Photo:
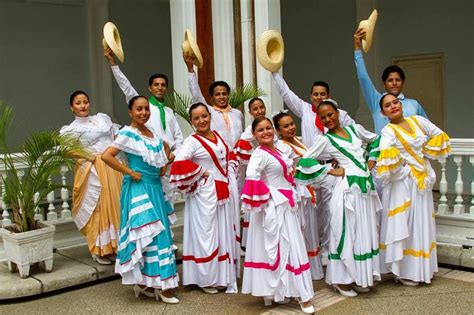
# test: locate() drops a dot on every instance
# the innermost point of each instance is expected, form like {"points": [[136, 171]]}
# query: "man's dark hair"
{"points": [[157, 76], [216, 84], [320, 83], [392, 69]]}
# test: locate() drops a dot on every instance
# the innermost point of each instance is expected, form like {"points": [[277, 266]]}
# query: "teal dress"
{"points": [[145, 255]]}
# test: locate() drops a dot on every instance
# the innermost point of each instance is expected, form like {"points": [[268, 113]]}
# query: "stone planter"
{"points": [[24, 249]]}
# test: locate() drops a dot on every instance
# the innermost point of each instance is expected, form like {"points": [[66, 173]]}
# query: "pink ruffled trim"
{"points": [[255, 195]]}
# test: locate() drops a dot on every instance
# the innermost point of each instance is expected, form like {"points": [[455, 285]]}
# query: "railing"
{"points": [[455, 218], [52, 213]]}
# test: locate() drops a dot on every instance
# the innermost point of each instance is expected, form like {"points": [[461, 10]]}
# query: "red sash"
{"points": [[222, 188], [317, 121]]}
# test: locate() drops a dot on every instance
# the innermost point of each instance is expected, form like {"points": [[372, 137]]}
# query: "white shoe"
{"points": [[169, 300], [349, 293], [139, 290], [307, 309], [101, 260], [407, 282], [268, 300], [210, 290], [360, 289]]}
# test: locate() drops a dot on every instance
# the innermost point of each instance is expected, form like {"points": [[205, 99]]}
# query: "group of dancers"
{"points": [[361, 199]]}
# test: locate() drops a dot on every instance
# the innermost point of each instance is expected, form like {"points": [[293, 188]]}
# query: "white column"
{"points": [[267, 16], [223, 39], [51, 215], [248, 48], [458, 186], [183, 16], [443, 189], [5, 216], [471, 208], [101, 77], [65, 213], [363, 10]]}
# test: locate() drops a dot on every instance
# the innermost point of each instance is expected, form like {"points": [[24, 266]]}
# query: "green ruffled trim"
{"points": [[373, 149], [307, 165], [366, 256], [363, 182]]}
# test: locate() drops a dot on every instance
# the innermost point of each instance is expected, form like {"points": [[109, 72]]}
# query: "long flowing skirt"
{"points": [[408, 231], [309, 226], [96, 205], [209, 239], [354, 241], [279, 267], [145, 255]]}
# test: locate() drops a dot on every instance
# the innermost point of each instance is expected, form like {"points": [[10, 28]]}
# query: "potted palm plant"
{"points": [[40, 157]]}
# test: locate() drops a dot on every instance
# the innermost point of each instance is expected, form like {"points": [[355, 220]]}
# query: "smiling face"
{"points": [[264, 133], [80, 105], [220, 96], [257, 109], [140, 111], [158, 88], [201, 119], [318, 94], [393, 84], [287, 127], [329, 116], [392, 107]]}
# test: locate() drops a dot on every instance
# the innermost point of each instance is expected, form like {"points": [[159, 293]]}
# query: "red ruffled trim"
{"points": [[243, 150], [185, 174]]}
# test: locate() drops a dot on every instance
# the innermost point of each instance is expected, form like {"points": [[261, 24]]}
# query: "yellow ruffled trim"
{"points": [[389, 160], [438, 145], [420, 177], [390, 153], [388, 168], [419, 253]]}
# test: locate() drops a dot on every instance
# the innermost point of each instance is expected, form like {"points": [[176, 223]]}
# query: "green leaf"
{"points": [[179, 103], [244, 93]]}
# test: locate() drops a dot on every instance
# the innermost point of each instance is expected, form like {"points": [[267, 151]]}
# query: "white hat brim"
{"points": [[112, 39], [271, 50], [190, 45]]}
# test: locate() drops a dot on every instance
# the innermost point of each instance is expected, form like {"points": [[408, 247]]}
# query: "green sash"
{"points": [[161, 107]]}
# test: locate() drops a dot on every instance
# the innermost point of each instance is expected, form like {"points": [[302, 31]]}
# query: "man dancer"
{"points": [[227, 121], [162, 119], [311, 129], [393, 78]]}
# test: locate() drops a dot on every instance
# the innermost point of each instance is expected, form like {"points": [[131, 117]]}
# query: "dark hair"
{"points": [[392, 69], [320, 83], [76, 93], [259, 120], [216, 84], [196, 105], [133, 99], [383, 97], [253, 100], [329, 103], [277, 117], [157, 76]]}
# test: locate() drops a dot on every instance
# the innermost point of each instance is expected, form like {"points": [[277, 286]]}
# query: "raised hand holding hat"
{"points": [[112, 39], [270, 50], [366, 30], [190, 47]]}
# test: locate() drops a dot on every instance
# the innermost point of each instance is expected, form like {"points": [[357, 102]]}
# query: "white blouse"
{"points": [[96, 132]]}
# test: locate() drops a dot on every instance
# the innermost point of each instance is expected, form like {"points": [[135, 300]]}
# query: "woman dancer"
{"points": [[243, 149], [286, 127], [145, 257], [96, 186], [408, 234], [200, 169], [276, 264], [353, 242]]}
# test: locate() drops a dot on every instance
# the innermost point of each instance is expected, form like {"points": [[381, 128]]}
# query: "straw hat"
{"points": [[369, 27], [190, 46], [271, 50], [112, 39]]}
